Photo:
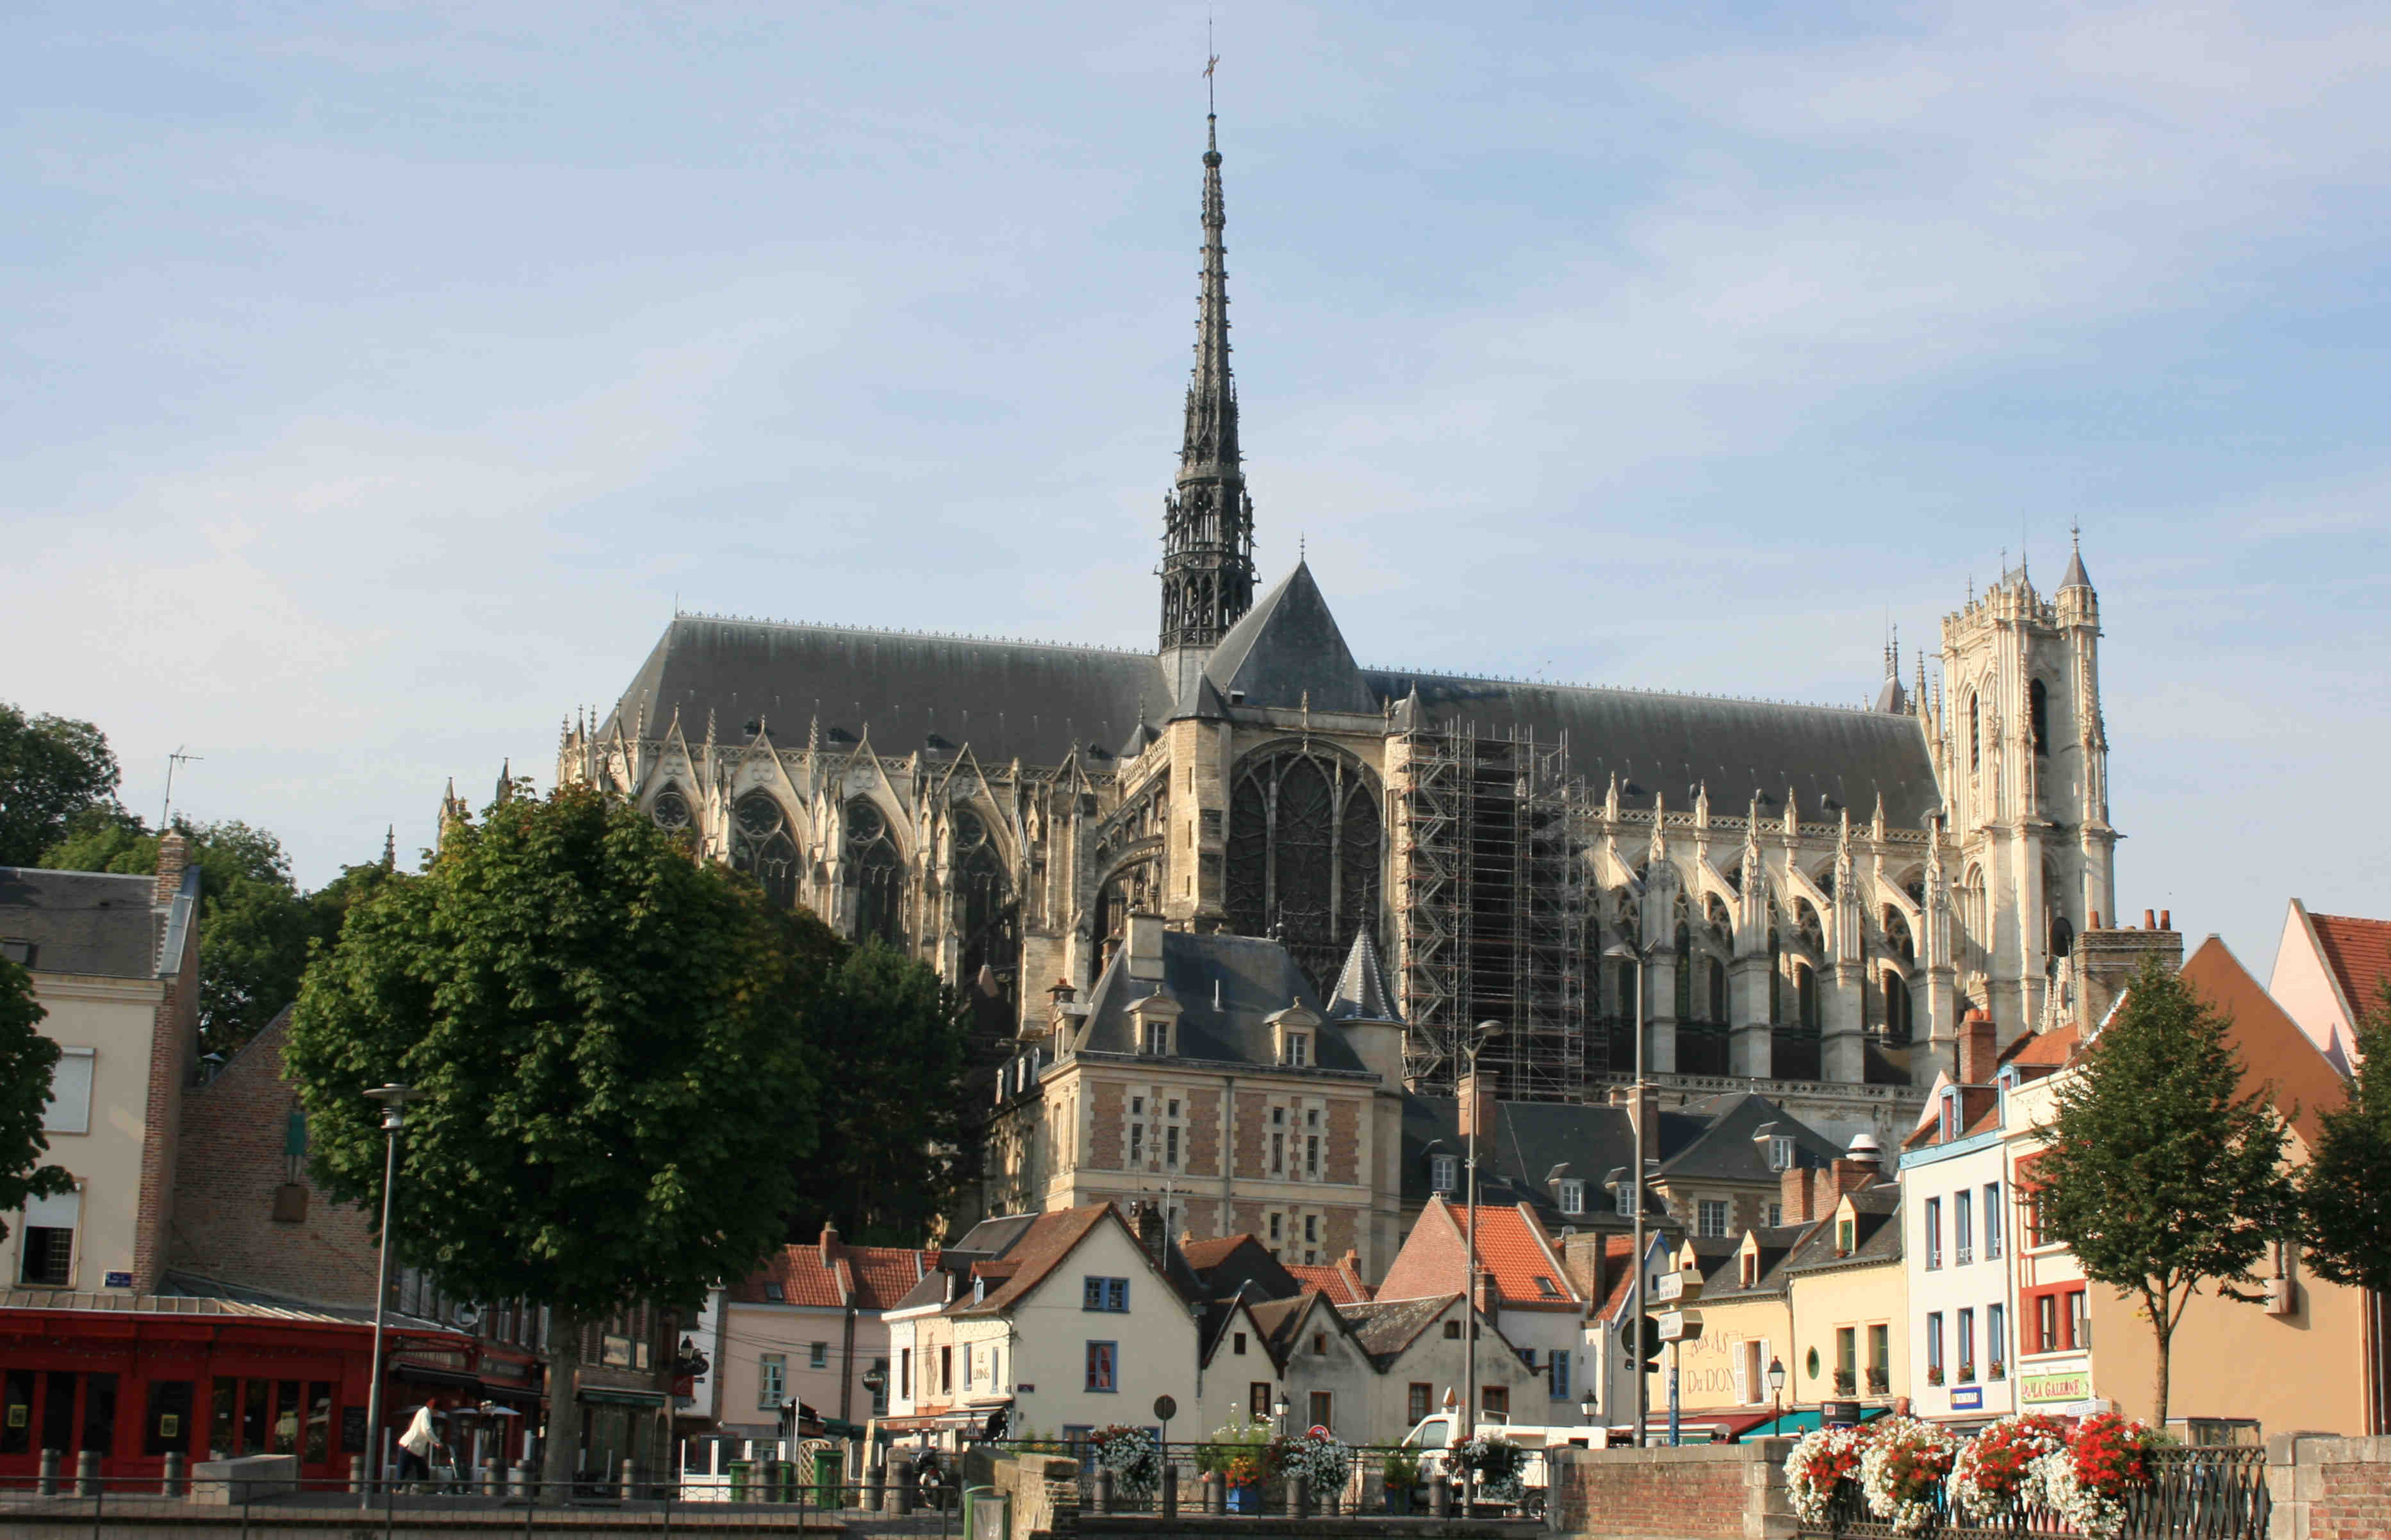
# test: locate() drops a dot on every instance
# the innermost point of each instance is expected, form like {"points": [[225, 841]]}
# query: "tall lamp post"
{"points": [[1776, 1390], [1480, 1036], [393, 1098], [1627, 951]]}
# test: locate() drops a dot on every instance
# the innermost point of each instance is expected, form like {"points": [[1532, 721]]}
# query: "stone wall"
{"points": [[2329, 1488], [1044, 1489], [1698, 1492]]}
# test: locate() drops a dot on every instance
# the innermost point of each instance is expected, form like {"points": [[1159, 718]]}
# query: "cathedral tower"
{"points": [[2023, 757], [1207, 543]]}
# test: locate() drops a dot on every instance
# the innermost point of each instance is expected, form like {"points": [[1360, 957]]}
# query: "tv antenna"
{"points": [[178, 757]]}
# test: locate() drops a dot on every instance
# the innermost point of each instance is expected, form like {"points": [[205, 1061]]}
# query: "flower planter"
{"points": [[1398, 1499], [1245, 1500]]}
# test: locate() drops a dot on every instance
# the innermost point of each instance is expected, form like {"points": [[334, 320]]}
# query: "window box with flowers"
{"points": [[1995, 1370], [1846, 1382], [1880, 1380], [1934, 1374], [1967, 1372]]}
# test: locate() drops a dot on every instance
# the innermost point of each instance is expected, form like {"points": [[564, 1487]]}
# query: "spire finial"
{"points": [[1211, 62]]}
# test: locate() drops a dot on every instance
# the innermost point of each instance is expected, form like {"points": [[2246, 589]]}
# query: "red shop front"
{"points": [[135, 1385]]}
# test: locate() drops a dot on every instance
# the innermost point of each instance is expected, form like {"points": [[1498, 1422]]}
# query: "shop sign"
{"points": [[1968, 1398], [2044, 1390]]}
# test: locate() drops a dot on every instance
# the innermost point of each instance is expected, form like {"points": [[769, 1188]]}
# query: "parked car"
{"points": [[1433, 1437]]}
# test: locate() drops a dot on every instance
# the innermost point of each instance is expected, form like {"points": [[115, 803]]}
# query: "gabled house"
{"points": [[1956, 1239], [1746, 1326], [1848, 1292], [808, 1327], [2330, 970], [1418, 1352], [1527, 1291], [1075, 1325]]}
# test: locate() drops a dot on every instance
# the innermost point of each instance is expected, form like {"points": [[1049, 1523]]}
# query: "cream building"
{"points": [[115, 964]]}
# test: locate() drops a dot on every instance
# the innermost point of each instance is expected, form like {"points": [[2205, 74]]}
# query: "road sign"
{"points": [[1683, 1284], [1679, 1325], [1165, 1408]]}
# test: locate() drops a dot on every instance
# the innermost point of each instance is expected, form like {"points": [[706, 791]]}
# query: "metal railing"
{"points": [[1362, 1494], [69, 1503], [2197, 1493]]}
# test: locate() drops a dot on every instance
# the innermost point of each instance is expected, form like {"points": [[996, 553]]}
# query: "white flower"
{"points": [[1829, 1448]]}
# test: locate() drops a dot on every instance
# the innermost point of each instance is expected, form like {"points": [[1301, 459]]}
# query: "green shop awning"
{"points": [[602, 1396]]}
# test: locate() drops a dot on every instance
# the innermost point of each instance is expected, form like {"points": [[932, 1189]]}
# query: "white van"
{"points": [[1435, 1434]]}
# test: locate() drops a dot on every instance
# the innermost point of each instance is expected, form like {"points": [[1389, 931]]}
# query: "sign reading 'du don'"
{"points": [[2041, 1390]]}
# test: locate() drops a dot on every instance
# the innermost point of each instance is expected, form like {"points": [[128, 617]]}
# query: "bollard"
{"points": [[1213, 1501], [173, 1486], [901, 1495], [1101, 1485], [87, 1473], [1170, 1491], [875, 1486], [626, 1487], [519, 1480], [1440, 1495], [356, 1474], [489, 1478], [46, 1484], [1298, 1497]]}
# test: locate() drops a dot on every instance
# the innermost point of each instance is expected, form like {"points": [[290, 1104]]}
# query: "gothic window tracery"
{"points": [[875, 873], [670, 809], [760, 845], [2038, 706], [1976, 737], [1304, 854]]}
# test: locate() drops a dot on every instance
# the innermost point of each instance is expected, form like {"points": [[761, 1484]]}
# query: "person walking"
{"points": [[415, 1446]]}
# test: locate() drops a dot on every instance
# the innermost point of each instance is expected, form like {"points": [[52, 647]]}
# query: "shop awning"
{"points": [[424, 1374], [1798, 1421], [604, 1397]]}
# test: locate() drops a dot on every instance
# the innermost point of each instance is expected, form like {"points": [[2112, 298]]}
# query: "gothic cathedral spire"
{"points": [[1207, 543]]}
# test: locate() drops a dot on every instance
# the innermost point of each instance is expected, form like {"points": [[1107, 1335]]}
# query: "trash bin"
{"points": [[743, 1474], [987, 1514], [829, 1466]]}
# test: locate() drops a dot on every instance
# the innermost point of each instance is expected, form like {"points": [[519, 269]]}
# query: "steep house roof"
{"points": [[1051, 1237], [1227, 988], [100, 923], [833, 1274], [1385, 1328], [2360, 954], [1876, 1224], [1774, 1247], [2275, 1052], [1341, 1280], [1512, 1247]]}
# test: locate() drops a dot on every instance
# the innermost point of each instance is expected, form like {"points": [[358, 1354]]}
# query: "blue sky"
{"points": [[374, 379]]}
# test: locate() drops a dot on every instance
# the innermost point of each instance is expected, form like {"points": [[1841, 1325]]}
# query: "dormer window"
{"points": [[1623, 1199], [1573, 1195], [1443, 1172], [1844, 1242], [1747, 1276], [775, 1293], [1157, 1038], [1298, 1049], [1780, 1153]]}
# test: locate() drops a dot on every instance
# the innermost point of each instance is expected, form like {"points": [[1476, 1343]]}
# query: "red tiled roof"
{"points": [[1512, 1247], [1205, 1255], [871, 1277], [2360, 954], [2049, 1050], [1342, 1287]]}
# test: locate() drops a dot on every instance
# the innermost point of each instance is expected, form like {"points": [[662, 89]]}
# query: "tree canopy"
{"points": [[27, 1062], [254, 925], [894, 1150], [2345, 1190], [2161, 1174], [51, 770], [605, 1035]]}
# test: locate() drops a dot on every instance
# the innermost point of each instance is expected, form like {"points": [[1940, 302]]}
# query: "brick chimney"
{"points": [[173, 854], [1858, 1168], [1797, 1191], [1477, 1108], [1151, 1234], [829, 1243], [1485, 1293], [1978, 1048]]}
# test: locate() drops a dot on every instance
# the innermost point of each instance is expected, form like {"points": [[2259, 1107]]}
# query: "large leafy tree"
{"points": [[51, 770], [895, 1151], [606, 1039], [27, 1060], [254, 925], [2162, 1173], [2346, 1191]]}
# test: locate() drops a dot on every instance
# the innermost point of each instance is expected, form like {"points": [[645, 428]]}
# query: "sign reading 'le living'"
{"points": [[2042, 1390]]}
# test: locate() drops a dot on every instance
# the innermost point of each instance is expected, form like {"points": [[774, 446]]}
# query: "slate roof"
{"points": [[1385, 1328], [1005, 700], [1287, 652], [1222, 1267], [1255, 978], [1662, 744], [1278, 1321], [1363, 992], [1777, 1247], [1876, 1215], [91, 922]]}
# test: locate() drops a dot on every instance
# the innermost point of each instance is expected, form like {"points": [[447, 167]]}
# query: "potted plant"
{"points": [[1240, 1454], [1496, 1464], [2088, 1481], [1399, 1476], [1903, 1462], [1993, 1467], [1823, 1459]]}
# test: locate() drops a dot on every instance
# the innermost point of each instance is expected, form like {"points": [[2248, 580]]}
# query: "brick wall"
{"points": [[233, 1134], [1203, 1133], [1251, 1113], [2329, 1488], [1700, 1492], [1107, 1123], [1344, 1140]]}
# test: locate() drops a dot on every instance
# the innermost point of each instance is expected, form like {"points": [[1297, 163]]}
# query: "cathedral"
{"points": [[1810, 896]]}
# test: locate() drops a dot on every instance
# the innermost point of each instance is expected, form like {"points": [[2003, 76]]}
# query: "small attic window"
{"points": [[1844, 1242], [1237, 697], [1298, 1049], [1443, 1172], [774, 1292], [1156, 1040], [1780, 1153], [1544, 1287]]}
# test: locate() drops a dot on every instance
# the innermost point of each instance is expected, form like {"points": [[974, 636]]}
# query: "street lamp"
{"points": [[393, 1098], [1776, 1387], [1480, 1036], [1628, 953], [1589, 1404], [1278, 1411]]}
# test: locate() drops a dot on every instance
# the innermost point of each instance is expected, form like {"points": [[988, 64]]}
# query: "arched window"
{"points": [[759, 843], [1304, 853], [1897, 936], [1775, 979], [1806, 990], [1896, 1009], [1685, 972], [1718, 991], [2038, 706], [1976, 737], [1796, 1050], [986, 916], [875, 873]]}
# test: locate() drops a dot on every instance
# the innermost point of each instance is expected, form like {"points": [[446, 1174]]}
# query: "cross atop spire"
{"points": [[1208, 569]]}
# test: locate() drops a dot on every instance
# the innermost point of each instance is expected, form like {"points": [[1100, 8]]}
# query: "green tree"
{"points": [[27, 1059], [2161, 1174], [2346, 1191], [51, 770], [893, 1044], [254, 925], [605, 1037]]}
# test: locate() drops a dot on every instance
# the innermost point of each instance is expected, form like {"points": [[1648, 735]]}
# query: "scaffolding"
{"points": [[1492, 913]]}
